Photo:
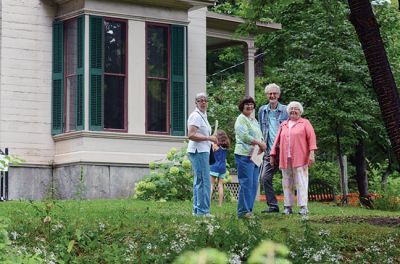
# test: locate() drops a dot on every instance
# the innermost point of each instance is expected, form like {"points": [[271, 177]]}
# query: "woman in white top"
{"points": [[200, 139]]}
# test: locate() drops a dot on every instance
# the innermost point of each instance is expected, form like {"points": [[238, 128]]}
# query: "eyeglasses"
{"points": [[272, 93], [249, 104], [202, 101]]}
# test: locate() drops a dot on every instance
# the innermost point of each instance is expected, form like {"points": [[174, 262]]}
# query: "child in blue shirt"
{"points": [[218, 169]]}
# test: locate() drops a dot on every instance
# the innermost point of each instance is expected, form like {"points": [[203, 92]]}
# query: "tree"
{"points": [[367, 28]]}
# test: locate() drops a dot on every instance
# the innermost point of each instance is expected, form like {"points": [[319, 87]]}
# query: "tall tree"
{"points": [[367, 28]]}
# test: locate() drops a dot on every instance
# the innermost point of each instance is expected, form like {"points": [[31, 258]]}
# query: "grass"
{"points": [[132, 231]]}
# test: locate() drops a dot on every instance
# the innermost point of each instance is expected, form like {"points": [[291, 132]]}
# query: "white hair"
{"points": [[199, 95], [271, 86], [295, 104]]}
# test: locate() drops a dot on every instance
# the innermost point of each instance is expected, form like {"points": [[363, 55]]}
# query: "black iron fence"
{"points": [[4, 177]]}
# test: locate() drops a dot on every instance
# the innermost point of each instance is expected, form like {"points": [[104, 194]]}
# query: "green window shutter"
{"points": [[80, 91], [178, 80], [57, 124], [96, 73]]}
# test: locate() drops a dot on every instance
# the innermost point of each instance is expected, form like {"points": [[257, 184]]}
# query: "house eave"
{"points": [[180, 4], [231, 23]]}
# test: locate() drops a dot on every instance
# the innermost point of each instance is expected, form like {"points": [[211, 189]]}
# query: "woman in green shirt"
{"points": [[248, 135]]}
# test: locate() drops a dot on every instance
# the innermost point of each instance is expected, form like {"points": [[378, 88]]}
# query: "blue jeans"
{"points": [[201, 182], [248, 181]]}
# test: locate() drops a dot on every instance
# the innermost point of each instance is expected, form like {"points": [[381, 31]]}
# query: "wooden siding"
{"points": [[25, 88]]}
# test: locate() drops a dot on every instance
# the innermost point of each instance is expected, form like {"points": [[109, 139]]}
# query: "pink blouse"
{"points": [[302, 141]]}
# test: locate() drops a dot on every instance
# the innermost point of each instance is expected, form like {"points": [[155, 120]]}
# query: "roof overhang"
{"points": [[221, 30], [178, 4]]}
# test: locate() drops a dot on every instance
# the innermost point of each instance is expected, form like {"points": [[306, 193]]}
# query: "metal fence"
{"points": [[4, 177]]}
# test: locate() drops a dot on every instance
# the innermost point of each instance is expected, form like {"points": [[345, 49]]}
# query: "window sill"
{"points": [[117, 135]]}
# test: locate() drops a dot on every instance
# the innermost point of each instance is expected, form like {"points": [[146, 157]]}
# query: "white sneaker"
{"points": [[209, 215], [287, 211], [303, 210]]}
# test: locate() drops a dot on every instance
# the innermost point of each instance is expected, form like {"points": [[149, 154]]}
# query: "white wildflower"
{"points": [[14, 235], [234, 259]]}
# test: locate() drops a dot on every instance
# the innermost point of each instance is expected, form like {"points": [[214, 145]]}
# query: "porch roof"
{"points": [[221, 30]]}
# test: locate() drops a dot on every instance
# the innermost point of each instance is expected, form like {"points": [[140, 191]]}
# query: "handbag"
{"points": [[212, 157]]}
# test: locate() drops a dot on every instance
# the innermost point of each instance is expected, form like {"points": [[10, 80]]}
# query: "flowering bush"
{"points": [[169, 179]]}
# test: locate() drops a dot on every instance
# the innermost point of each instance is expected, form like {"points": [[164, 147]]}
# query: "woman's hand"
{"points": [[213, 139], [311, 158], [263, 146]]}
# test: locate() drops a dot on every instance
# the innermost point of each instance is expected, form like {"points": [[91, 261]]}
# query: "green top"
{"points": [[246, 130]]}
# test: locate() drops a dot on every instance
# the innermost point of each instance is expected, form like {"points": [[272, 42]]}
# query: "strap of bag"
{"points": [[204, 120]]}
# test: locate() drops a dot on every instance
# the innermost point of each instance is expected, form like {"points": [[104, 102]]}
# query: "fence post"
{"points": [[4, 179]]}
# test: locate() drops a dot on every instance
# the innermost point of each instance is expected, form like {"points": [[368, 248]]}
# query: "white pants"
{"points": [[295, 177]]}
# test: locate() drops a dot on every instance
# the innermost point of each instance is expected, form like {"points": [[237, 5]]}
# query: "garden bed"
{"points": [[132, 231]]}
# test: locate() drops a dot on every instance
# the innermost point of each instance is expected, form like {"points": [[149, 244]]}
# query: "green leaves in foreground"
{"points": [[267, 252]]}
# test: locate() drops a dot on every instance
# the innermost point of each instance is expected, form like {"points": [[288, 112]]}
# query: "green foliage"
{"points": [[388, 195], [269, 252], [326, 171], [10, 254], [266, 252], [134, 231], [206, 256], [169, 179], [223, 106], [389, 198], [7, 160]]}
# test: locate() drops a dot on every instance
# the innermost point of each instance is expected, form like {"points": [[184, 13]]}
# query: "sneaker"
{"points": [[303, 210], [287, 211], [248, 215], [270, 210], [209, 215]]}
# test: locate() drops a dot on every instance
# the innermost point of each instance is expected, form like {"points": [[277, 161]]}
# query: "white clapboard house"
{"points": [[91, 91]]}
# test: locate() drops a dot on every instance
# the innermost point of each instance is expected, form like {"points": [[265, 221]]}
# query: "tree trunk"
{"points": [[361, 174], [367, 29], [388, 171], [341, 166]]}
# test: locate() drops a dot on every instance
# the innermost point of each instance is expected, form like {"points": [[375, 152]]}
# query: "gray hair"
{"points": [[295, 104], [199, 95], [271, 86]]}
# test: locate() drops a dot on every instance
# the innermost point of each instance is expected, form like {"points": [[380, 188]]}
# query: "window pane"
{"points": [[71, 46], [157, 105], [114, 102], [114, 47], [157, 51], [71, 104]]}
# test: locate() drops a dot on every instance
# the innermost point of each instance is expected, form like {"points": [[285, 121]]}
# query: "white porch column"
{"points": [[249, 52]]}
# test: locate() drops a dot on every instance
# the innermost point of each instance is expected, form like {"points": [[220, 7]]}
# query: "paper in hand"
{"points": [[215, 128], [257, 157]]}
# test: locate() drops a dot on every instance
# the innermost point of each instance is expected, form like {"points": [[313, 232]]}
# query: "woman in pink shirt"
{"points": [[297, 142]]}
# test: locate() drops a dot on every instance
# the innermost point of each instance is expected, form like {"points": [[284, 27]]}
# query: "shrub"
{"points": [[169, 179], [326, 171], [389, 197]]}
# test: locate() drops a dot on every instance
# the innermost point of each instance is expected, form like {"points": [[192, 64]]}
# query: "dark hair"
{"points": [[246, 100], [223, 139]]}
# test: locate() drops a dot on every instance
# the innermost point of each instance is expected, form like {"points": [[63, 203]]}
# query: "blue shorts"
{"points": [[218, 175]]}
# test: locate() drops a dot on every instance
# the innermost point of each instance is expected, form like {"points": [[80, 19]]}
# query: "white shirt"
{"points": [[199, 120]]}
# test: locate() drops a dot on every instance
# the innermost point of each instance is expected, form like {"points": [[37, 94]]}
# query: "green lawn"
{"points": [[131, 231]]}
